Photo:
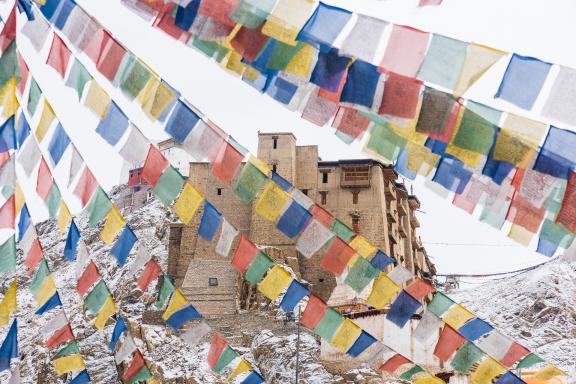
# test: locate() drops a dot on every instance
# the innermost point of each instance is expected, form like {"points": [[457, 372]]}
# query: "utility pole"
{"points": [[298, 345]]}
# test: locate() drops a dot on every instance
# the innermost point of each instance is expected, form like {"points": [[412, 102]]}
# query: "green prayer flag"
{"points": [[385, 142], [249, 183], [556, 233], [69, 349], [411, 372], [53, 201], [466, 356], [34, 95], [553, 202], [124, 68], [166, 290], [8, 66], [329, 324], [258, 268], [440, 304], [210, 49], [169, 185], [529, 361], [252, 13], [143, 376], [42, 272], [98, 207], [78, 78], [96, 298], [225, 358], [281, 55], [136, 80], [8, 255], [475, 134], [361, 274], [343, 231]]}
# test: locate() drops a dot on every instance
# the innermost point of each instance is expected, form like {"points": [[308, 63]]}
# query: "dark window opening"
{"points": [[356, 224], [136, 189], [213, 282], [219, 191], [323, 196], [321, 280], [305, 191], [275, 143], [274, 168], [325, 178], [355, 197]]}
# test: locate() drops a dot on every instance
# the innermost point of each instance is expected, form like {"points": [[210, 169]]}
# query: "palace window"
{"points": [[275, 142], [274, 168], [305, 191], [212, 282], [355, 197], [323, 197], [324, 177], [219, 191], [356, 224]]}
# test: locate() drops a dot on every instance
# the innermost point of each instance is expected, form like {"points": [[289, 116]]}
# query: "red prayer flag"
{"points": [[154, 165], [217, 346], [106, 53], [524, 214], [314, 312], [86, 186], [8, 213], [8, 31], [394, 363], [60, 337], [166, 23], [218, 10], [514, 354], [249, 42], [227, 161], [44, 180], [405, 50], [135, 366], [567, 214], [24, 71], [419, 289], [89, 277], [337, 256], [449, 341], [35, 254], [4, 156], [350, 122], [246, 251], [322, 215], [59, 55], [401, 95], [151, 272]]}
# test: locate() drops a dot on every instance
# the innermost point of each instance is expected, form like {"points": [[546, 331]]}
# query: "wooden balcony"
{"points": [[355, 176], [389, 190]]}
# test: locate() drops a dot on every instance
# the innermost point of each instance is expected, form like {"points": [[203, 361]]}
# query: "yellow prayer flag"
{"points": [[346, 335], [97, 100], [8, 100], [487, 371], [518, 140], [114, 224], [275, 282], [276, 30], [8, 304], [478, 60], [364, 247], [548, 372], [301, 63], [429, 379], [272, 201], [108, 309], [155, 97], [71, 363], [46, 290], [177, 302], [457, 316], [467, 157], [46, 120], [520, 235], [187, 203], [383, 291], [421, 159], [64, 217], [250, 73], [19, 199], [243, 366], [233, 62]]}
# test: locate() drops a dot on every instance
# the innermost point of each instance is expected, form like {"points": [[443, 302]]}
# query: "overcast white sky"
{"points": [[538, 28]]}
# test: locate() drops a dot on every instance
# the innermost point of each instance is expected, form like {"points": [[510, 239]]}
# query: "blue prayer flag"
{"points": [[546, 248], [49, 8], [58, 144], [185, 15], [82, 378], [497, 170], [63, 13], [253, 378], [122, 247], [114, 125], [324, 26], [402, 309], [402, 165], [523, 80], [282, 90], [22, 130], [381, 260], [26, 6], [7, 135], [210, 222], [509, 378], [24, 222], [437, 147], [119, 329], [9, 348], [181, 122], [53, 302], [295, 292], [360, 84], [181, 317], [452, 175], [294, 219], [557, 156], [329, 70], [71, 246], [362, 343], [282, 182], [474, 329]]}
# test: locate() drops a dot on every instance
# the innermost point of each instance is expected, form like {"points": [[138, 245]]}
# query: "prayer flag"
{"points": [[125, 350], [271, 202], [8, 213], [364, 247], [495, 344], [419, 289], [329, 324], [154, 166], [182, 120], [276, 281], [71, 246], [227, 236], [479, 59], [252, 13], [383, 291], [182, 316], [169, 185], [81, 378], [324, 26], [97, 297], [135, 78], [89, 277], [121, 249], [361, 84], [518, 140], [392, 364], [114, 224], [350, 123], [64, 217], [293, 220], [119, 328], [187, 203], [402, 309], [106, 53], [136, 365], [194, 334], [78, 78], [466, 357], [509, 378], [9, 348], [361, 274], [381, 261], [364, 38], [346, 335], [314, 312], [427, 327], [250, 181], [258, 268], [449, 341], [514, 354], [210, 221], [156, 98], [60, 336], [555, 157], [8, 304], [474, 133], [313, 238], [560, 103], [227, 161], [69, 349], [108, 309], [295, 293], [398, 57], [87, 185], [342, 230], [474, 329], [113, 126], [217, 346], [44, 180], [167, 288], [330, 71], [363, 342], [253, 378], [457, 316], [204, 141], [245, 253], [548, 372], [401, 96], [51, 303], [443, 62], [151, 272], [487, 371], [97, 100], [8, 255], [242, 367], [135, 148], [249, 42], [59, 55], [523, 80], [322, 215], [71, 363], [336, 258]]}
